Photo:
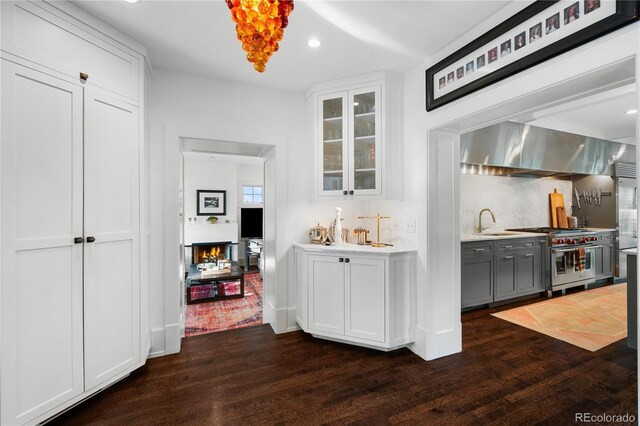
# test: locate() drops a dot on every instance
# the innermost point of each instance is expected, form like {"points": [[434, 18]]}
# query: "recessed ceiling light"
{"points": [[632, 111], [313, 42]]}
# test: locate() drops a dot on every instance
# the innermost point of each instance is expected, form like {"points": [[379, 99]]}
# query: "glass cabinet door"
{"points": [[333, 131], [365, 146]]}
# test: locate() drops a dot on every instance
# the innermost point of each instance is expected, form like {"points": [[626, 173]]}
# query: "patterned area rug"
{"points": [[220, 315], [589, 319]]}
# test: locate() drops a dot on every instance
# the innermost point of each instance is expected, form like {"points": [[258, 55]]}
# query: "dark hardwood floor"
{"points": [[506, 375]]}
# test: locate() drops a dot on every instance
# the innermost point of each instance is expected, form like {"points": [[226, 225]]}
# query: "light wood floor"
{"points": [[505, 375]]}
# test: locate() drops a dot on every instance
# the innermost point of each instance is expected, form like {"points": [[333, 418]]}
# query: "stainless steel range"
{"points": [[571, 257]]}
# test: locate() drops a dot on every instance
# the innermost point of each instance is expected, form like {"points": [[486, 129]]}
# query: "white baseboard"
{"points": [[165, 340], [172, 339], [157, 343], [437, 344], [284, 319], [292, 325], [280, 320]]}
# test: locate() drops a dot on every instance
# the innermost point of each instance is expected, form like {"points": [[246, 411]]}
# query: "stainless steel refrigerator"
{"points": [[626, 220]]}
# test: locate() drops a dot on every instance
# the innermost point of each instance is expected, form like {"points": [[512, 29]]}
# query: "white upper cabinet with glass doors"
{"points": [[351, 140], [364, 134]]}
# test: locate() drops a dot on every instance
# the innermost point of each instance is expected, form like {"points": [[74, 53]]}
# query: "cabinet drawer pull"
{"points": [[507, 247], [91, 239], [78, 240], [479, 250], [351, 192], [340, 259], [84, 76], [528, 255], [347, 260], [344, 192], [508, 257]]}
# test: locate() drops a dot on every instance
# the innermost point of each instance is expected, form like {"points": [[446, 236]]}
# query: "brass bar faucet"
{"points": [[493, 217]]}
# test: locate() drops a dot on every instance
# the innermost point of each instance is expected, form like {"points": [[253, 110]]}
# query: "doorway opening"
{"points": [[223, 195], [444, 156]]}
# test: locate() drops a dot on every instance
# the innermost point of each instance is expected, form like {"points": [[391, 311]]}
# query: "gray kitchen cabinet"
{"points": [[477, 273], [506, 274], [519, 267], [500, 270], [527, 271], [605, 255]]}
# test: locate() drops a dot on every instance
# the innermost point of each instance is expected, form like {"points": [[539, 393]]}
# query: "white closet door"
{"points": [[111, 206], [41, 214]]}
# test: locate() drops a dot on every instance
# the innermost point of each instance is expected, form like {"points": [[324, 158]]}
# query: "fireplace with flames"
{"points": [[210, 252]]}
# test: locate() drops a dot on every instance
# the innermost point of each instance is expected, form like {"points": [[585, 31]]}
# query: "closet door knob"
{"points": [[78, 240], [84, 76], [91, 239]]}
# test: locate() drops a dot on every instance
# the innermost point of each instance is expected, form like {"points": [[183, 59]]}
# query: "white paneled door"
{"points": [[111, 202], [41, 212]]}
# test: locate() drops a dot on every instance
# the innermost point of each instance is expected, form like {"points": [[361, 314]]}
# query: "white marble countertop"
{"points": [[355, 248], [488, 237], [465, 238]]}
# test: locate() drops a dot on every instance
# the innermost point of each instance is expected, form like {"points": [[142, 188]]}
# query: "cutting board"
{"points": [[562, 218], [556, 199]]}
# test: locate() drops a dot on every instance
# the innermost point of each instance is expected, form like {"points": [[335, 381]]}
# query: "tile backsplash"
{"points": [[516, 202]]}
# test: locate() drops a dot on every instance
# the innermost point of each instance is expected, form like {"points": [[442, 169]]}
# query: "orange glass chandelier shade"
{"points": [[260, 26]]}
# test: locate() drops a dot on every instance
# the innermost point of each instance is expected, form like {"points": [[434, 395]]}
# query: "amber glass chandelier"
{"points": [[260, 26]]}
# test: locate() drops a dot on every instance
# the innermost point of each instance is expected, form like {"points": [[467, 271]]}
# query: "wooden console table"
{"points": [[202, 287]]}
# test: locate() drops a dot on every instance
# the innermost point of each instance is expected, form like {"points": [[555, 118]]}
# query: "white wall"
{"points": [[205, 174], [516, 202]]}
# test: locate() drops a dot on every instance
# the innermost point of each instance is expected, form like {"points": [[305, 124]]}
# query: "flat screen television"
{"points": [[251, 222]]}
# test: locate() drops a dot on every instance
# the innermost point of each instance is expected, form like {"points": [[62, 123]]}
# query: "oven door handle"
{"points": [[573, 249]]}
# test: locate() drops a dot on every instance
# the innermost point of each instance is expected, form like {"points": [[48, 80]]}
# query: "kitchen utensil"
{"points": [[556, 199], [599, 198], [593, 196], [575, 190], [562, 217], [573, 221], [361, 235], [586, 197], [318, 234]]}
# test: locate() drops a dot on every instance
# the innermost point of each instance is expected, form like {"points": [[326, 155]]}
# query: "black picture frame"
{"points": [[211, 202], [626, 13]]}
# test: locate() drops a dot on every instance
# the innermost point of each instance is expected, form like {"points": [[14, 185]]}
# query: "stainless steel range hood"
{"points": [[517, 149]]}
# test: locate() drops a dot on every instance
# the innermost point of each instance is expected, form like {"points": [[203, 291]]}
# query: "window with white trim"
{"points": [[252, 194]]}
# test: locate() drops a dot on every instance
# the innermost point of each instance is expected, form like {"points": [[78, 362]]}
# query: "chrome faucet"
{"points": [[493, 217]]}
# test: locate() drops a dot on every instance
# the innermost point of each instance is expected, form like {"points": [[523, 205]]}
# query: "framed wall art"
{"points": [[211, 202], [539, 32]]}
